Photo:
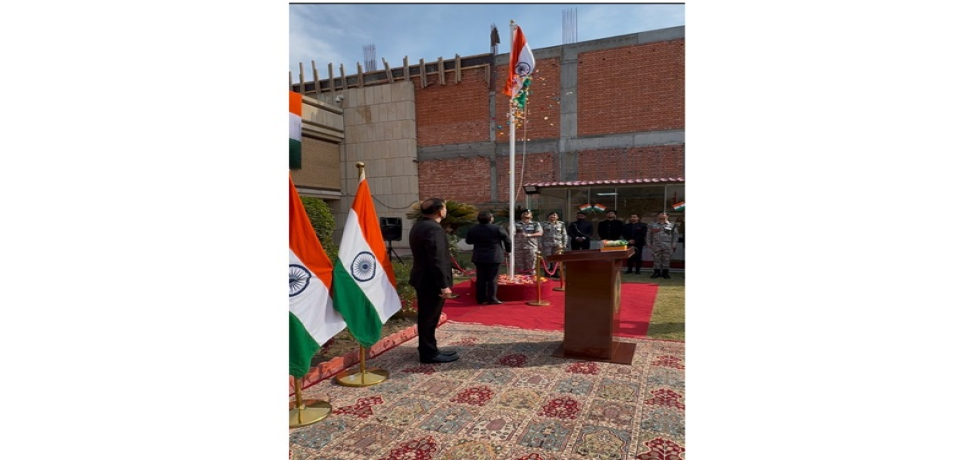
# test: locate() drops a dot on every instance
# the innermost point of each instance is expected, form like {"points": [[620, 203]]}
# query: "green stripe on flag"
{"points": [[302, 347], [362, 317], [294, 154]]}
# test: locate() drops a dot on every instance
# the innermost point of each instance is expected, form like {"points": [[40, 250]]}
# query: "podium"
{"points": [[592, 279]]}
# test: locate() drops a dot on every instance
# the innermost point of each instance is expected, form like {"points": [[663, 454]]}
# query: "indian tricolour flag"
{"points": [[599, 207], [585, 207], [521, 62], [364, 285], [679, 206], [295, 128], [312, 318]]}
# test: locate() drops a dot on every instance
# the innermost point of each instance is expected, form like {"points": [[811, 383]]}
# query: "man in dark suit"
{"points": [[580, 231], [635, 234], [489, 243], [611, 228], [432, 277]]}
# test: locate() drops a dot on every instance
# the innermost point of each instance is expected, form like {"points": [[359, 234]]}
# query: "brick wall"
{"points": [[319, 160], [632, 163], [453, 113], [457, 179], [540, 167], [629, 89], [543, 108]]}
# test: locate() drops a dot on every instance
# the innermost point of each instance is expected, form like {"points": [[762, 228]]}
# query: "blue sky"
{"points": [[337, 33]]}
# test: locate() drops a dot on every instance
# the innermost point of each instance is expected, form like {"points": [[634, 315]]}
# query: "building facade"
{"points": [[604, 124]]}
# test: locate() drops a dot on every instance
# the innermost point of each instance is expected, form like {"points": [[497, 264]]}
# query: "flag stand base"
{"points": [[364, 378], [539, 303], [312, 411]]}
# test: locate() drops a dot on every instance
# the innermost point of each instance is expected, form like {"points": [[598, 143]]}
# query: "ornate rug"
{"points": [[505, 398]]}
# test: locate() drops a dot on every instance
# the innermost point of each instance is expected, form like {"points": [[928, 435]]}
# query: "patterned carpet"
{"points": [[506, 398]]}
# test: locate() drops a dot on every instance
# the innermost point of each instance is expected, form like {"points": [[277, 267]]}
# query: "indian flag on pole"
{"points": [[599, 207], [585, 207], [312, 318], [679, 206], [295, 128], [364, 285], [521, 62]]}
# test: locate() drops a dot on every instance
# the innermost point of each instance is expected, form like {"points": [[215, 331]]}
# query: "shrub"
{"points": [[323, 224]]}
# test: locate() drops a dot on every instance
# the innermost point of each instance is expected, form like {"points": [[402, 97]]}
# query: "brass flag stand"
{"points": [[362, 378], [537, 281], [302, 413], [561, 272]]}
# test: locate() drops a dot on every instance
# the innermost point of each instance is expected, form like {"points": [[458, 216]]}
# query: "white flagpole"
{"points": [[510, 111], [510, 266]]}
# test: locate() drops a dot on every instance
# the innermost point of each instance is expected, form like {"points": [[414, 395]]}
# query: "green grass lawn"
{"points": [[667, 321]]}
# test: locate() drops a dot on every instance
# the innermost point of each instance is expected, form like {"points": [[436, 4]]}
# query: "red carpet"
{"points": [[635, 307]]}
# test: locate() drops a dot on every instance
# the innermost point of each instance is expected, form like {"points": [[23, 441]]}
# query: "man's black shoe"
{"points": [[495, 302], [440, 358], [447, 352]]}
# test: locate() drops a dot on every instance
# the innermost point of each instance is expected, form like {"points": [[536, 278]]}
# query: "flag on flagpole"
{"points": [[599, 207], [295, 128], [679, 206], [364, 285], [585, 207], [521, 64], [312, 318]]}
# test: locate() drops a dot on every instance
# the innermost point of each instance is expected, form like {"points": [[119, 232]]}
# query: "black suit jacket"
{"points": [[611, 229], [636, 232], [580, 228], [431, 261], [489, 242]]}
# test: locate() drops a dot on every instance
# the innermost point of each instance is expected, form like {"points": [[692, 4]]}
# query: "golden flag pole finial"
{"points": [[360, 169]]}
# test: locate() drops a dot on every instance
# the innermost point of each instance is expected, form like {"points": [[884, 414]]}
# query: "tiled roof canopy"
{"points": [[662, 180]]}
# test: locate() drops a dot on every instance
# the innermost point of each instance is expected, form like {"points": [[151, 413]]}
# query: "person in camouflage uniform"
{"points": [[662, 241], [554, 238], [526, 235]]}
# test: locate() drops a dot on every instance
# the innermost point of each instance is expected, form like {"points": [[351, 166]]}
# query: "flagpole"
{"points": [[513, 130], [364, 377]]}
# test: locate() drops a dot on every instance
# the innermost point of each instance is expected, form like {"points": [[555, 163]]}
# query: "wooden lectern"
{"points": [[592, 279]]}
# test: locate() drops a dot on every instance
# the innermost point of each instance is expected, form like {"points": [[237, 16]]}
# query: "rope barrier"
{"points": [[544, 266], [458, 267]]}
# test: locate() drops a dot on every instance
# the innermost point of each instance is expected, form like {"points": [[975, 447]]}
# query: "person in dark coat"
{"points": [[489, 243], [635, 234], [432, 277], [611, 228], [580, 232]]}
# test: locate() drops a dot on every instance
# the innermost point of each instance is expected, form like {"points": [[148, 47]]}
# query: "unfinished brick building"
{"points": [[605, 124]]}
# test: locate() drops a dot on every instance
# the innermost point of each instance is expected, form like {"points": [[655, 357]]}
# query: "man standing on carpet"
{"points": [[526, 234], [612, 228], [635, 234], [662, 239], [554, 239], [432, 277], [489, 242], [580, 232]]}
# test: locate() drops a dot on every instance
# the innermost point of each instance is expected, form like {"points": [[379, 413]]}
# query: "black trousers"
{"points": [[486, 282], [636, 260], [430, 308], [584, 244]]}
